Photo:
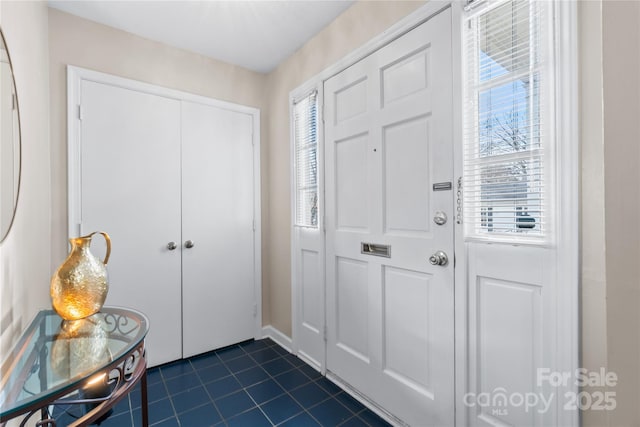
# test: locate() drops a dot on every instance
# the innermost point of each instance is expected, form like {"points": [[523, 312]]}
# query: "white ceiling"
{"points": [[257, 35]]}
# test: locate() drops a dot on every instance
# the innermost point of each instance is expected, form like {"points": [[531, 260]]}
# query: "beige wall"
{"points": [[610, 249], [25, 255], [83, 43], [621, 88], [593, 290], [357, 25]]}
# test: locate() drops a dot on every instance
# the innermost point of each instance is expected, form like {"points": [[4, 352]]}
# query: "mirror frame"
{"points": [[5, 233]]}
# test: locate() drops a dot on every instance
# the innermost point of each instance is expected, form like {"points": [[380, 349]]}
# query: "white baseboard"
{"points": [[279, 337]]}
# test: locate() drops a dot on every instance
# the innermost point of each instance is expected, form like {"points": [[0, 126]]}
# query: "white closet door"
{"points": [[217, 208], [130, 175], [388, 133]]}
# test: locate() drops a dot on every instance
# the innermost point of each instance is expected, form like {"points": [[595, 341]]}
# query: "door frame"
{"points": [[75, 76], [567, 198]]}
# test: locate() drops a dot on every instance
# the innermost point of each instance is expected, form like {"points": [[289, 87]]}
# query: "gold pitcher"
{"points": [[79, 286]]}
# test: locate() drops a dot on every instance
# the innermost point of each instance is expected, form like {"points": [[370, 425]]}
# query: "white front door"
{"points": [[217, 217], [389, 161]]}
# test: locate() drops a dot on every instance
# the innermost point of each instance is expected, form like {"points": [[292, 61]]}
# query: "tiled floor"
{"points": [[256, 383]]}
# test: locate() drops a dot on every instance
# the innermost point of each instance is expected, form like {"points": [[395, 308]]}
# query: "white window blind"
{"points": [[306, 146], [507, 131]]}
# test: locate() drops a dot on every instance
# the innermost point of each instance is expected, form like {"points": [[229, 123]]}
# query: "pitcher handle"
{"points": [[106, 239]]}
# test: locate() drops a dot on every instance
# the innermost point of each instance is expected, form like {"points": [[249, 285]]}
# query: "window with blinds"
{"points": [[507, 137], [306, 163]]}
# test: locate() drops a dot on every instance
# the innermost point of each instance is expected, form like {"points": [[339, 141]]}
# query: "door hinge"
{"points": [[80, 115], [254, 225], [14, 102], [324, 224], [255, 310], [324, 333]]}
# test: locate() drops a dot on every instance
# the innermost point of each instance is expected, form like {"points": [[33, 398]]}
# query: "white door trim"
{"points": [[75, 76], [567, 198]]}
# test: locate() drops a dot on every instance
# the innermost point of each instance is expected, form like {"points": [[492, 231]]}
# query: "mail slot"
{"points": [[375, 249]]}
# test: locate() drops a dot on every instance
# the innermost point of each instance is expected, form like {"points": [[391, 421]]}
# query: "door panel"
{"points": [[351, 183], [351, 101], [390, 319], [309, 332], [312, 316], [406, 201], [217, 205], [510, 314], [406, 328], [405, 76], [130, 174], [352, 323]]}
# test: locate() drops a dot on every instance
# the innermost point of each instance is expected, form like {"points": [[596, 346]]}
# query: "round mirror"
{"points": [[9, 142]]}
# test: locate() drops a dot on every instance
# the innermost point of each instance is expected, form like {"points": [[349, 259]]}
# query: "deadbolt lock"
{"points": [[440, 218]]}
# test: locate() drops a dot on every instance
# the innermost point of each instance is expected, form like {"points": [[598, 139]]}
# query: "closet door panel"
{"points": [[217, 205], [130, 188]]}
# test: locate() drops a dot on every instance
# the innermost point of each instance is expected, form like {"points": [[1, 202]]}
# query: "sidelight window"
{"points": [[507, 133], [306, 161]]}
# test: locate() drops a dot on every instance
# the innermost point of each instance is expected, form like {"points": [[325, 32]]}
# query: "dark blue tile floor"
{"points": [[255, 383]]}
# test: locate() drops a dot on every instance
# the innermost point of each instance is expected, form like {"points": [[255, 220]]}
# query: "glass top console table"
{"points": [[93, 362]]}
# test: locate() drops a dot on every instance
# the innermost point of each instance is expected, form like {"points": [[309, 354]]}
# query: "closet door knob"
{"points": [[189, 244], [171, 246]]}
